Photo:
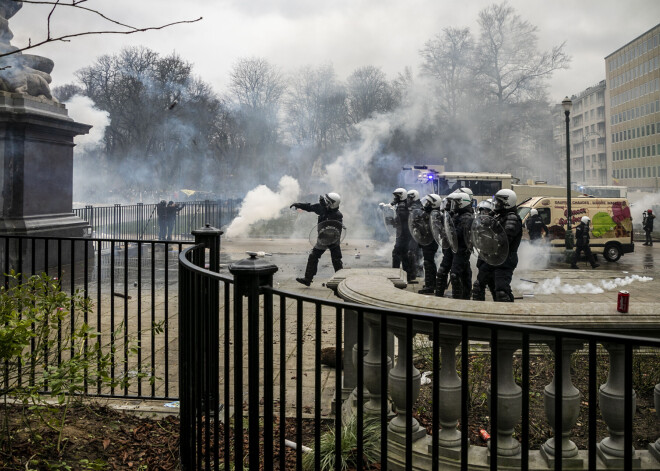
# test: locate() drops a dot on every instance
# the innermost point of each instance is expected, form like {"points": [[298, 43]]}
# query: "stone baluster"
{"points": [[450, 394], [398, 390], [570, 410], [509, 404], [611, 397], [654, 448], [372, 366]]}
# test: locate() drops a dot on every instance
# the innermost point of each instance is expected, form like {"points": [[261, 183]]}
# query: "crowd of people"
{"points": [[453, 217]]}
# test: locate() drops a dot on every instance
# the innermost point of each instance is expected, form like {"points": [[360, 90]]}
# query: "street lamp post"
{"points": [[567, 104]]}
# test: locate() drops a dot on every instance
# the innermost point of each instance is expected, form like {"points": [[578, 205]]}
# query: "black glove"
{"points": [[294, 205]]}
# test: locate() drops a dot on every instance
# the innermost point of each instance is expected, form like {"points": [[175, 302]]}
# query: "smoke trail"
{"points": [[262, 204], [555, 285], [82, 110], [640, 202]]}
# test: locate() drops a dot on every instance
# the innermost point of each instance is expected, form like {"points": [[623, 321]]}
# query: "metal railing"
{"points": [[242, 412], [131, 286], [140, 221]]}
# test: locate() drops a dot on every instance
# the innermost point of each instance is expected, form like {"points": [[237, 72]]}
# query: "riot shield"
{"points": [[437, 222], [420, 228], [389, 218], [327, 233], [450, 232], [490, 240]]}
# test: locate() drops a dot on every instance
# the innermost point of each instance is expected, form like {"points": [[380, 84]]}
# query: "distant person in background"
{"points": [[161, 213], [535, 226], [648, 226], [171, 212]]}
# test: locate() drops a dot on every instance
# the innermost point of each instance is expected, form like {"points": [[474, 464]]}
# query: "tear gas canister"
{"points": [[623, 301]]}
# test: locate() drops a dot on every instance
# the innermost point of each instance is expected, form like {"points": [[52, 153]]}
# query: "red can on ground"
{"points": [[623, 301]]}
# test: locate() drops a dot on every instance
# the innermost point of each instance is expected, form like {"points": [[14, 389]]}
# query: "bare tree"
{"points": [[9, 7], [368, 93], [510, 67], [447, 59]]}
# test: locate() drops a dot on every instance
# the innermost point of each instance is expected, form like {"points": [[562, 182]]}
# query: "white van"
{"points": [[611, 222]]}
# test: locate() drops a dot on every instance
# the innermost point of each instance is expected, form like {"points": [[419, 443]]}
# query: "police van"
{"points": [[611, 222]]}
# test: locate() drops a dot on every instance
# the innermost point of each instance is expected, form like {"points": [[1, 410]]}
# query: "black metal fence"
{"points": [[236, 415], [132, 287], [140, 221]]}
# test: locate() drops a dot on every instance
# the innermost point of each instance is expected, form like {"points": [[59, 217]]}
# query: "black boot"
{"points": [[441, 282], [478, 292], [304, 281], [429, 278], [457, 291]]}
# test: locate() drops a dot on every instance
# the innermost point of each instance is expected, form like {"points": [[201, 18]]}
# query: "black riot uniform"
{"points": [[461, 272], [428, 254], [325, 214], [648, 227], [400, 253], [445, 266], [535, 226], [414, 251], [582, 245], [498, 278]]}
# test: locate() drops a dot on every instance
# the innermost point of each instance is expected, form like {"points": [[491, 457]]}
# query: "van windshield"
{"points": [[523, 211]]}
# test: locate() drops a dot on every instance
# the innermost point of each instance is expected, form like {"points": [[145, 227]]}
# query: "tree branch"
{"points": [[77, 5]]}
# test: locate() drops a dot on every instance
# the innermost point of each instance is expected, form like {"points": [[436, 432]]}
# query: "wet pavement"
{"points": [[538, 278]]}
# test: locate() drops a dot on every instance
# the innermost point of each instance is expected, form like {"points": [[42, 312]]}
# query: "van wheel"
{"points": [[612, 252]]}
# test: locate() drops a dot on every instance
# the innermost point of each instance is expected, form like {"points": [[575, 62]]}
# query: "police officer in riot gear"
{"points": [[447, 257], [461, 272], [582, 243], [328, 210], [647, 225], [430, 203], [500, 276], [485, 208], [535, 226], [400, 255], [414, 252]]}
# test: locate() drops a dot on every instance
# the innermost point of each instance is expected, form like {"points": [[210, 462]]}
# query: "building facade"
{"points": [[632, 112], [588, 138]]}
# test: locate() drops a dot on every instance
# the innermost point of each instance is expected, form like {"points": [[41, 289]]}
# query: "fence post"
{"points": [[210, 237], [249, 276], [140, 221]]}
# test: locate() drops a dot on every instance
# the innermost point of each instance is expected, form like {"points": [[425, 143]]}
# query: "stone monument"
{"points": [[36, 146]]}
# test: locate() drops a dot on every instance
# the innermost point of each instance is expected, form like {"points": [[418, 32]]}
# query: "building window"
{"points": [[654, 171]]}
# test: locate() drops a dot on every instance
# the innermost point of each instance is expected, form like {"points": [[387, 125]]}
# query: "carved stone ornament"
{"points": [[21, 73]]}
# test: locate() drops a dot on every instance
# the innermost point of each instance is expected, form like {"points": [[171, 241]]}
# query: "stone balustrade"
{"points": [[381, 288]]}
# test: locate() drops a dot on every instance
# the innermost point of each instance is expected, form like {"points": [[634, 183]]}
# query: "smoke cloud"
{"points": [[263, 204], [556, 286], [82, 110]]}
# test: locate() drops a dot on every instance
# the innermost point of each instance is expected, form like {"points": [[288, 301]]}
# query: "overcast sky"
{"points": [[345, 33]]}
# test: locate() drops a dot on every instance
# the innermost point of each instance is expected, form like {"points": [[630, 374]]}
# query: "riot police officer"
{"points": [[429, 203], [485, 208], [582, 243], [400, 255], [442, 277], [414, 251], [500, 276], [461, 272], [328, 210], [535, 225]]}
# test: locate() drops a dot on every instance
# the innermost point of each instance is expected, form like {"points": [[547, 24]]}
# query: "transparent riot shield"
{"points": [[450, 232], [327, 233], [389, 218], [490, 240], [420, 227], [437, 223]]}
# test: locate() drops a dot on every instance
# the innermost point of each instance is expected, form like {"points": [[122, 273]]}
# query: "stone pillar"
{"points": [[611, 399], [509, 404], [450, 395], [654, 448], [372, 367], [398, 383], [570, 410]]}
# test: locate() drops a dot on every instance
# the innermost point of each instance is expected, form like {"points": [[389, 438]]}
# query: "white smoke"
{"points": [[556, 286], [262, 204], [640, 202], [82, 110], [349, 174], [533, 256]]}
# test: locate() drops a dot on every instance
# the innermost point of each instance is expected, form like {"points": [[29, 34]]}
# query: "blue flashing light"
{"points": [[430, 176]]}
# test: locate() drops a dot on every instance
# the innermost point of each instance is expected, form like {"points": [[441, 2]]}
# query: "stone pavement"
{"points": [[537, 279]]}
